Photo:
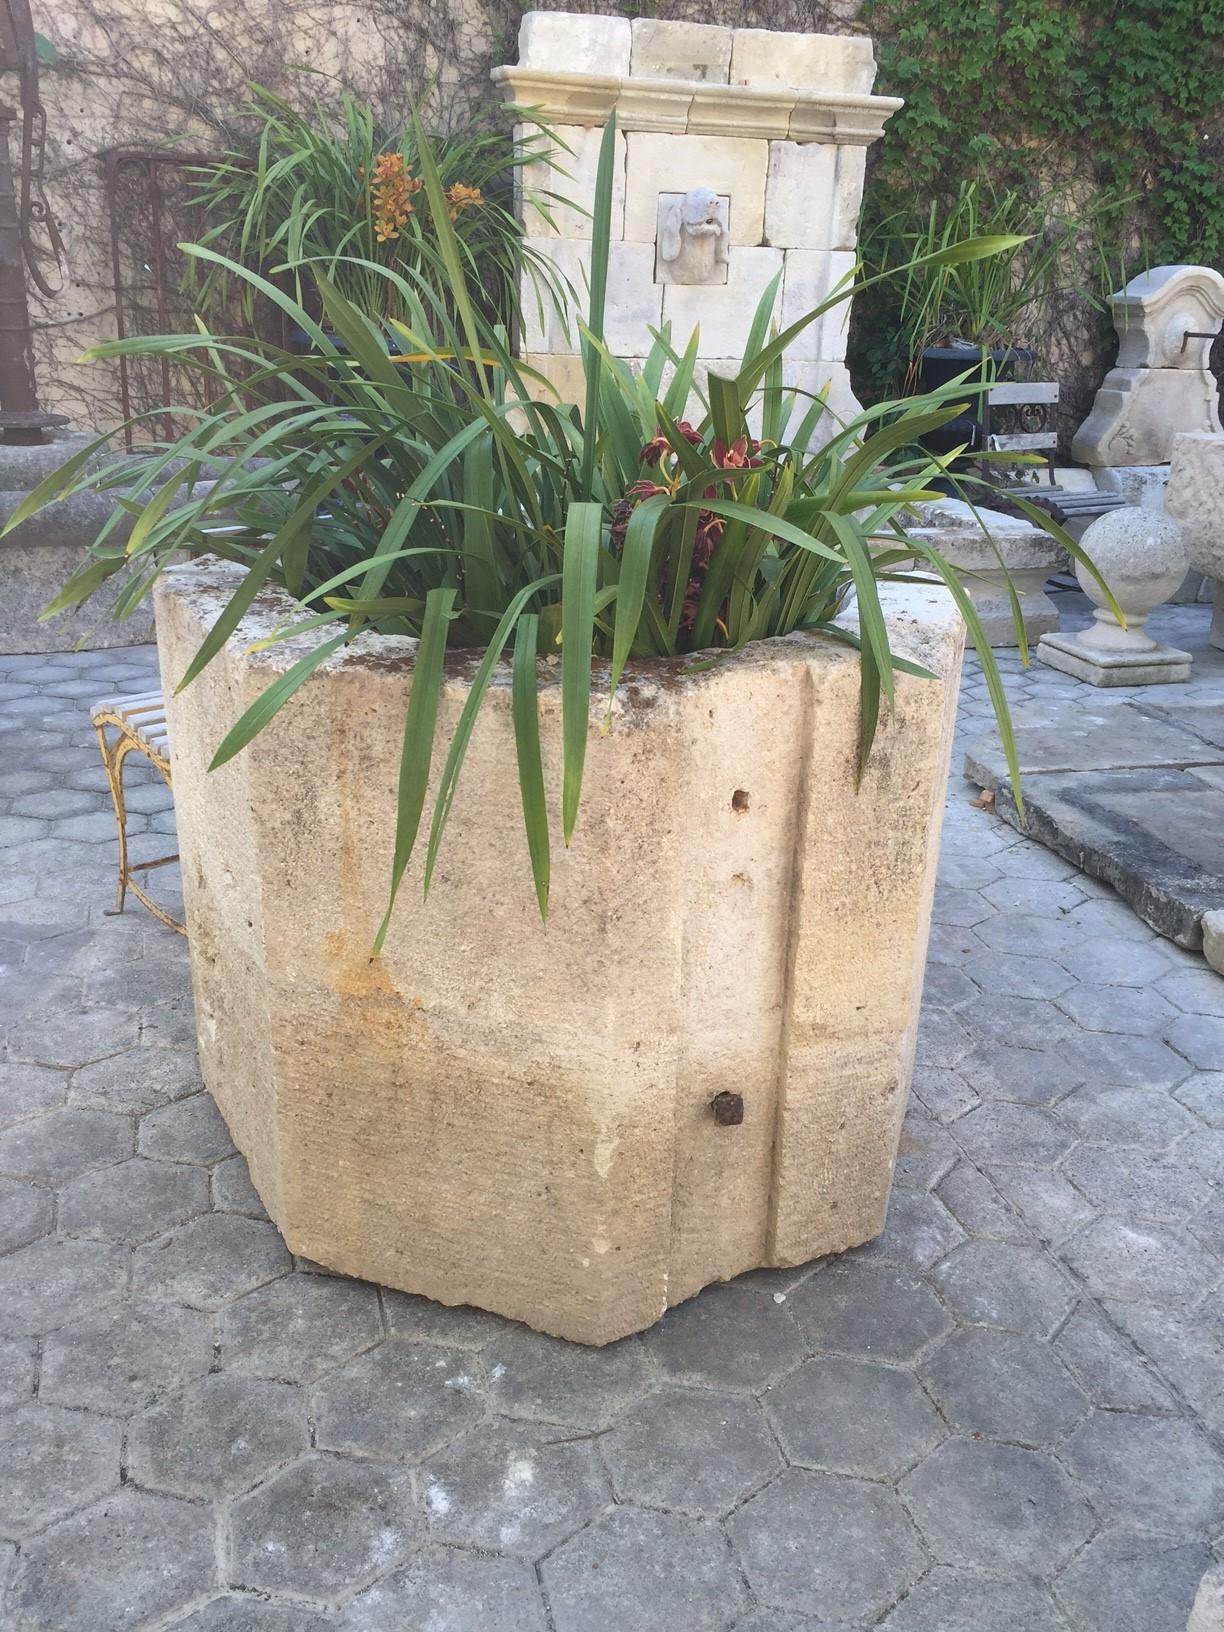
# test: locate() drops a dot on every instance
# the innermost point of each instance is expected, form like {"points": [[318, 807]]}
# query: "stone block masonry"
{"points": [[775, 124]]}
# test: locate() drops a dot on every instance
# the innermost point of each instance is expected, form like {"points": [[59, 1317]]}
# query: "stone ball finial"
{"points": [[1143, 556]]}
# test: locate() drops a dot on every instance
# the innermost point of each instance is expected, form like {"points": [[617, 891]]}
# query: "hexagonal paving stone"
{"points": [[978, 1205], [52, 1461], [122, 1357], [995, 1283], [773, 1620], [1031, 1076], [1046, 937], [1017, 974], [217, 1437], [25, 1090], [300, 1328], [453, 1325], [139, 1079], [232, 1190], [1126, 1062], [442, 1587], [961, 908], [59, 1144], [827, 1546], [1006, 1135], [950, 1601], [1017, 894], [869, 1309], [946, 1094], [1204, 1096], [726, 1337], [400, 1400], [322, 1527], [997, 1508], [851, 1416], [119, 1564], [1195, 991], [1200, 1037], [919, 1231], [1000, 1385], [1122, 1582], [548, 1380], [1118, 1259], [942, 1040], [926, 1152], [190, 1130], [1048, 1203], [691, 1451], [1019, 1022], [26, 1212], [210, 1260], [513, 1487], [945, 987], [1139, 1183], [59, 1037], [1126, 1116], [53, 1281], [1106, 1366], [1153, 1472], [142, 983], [1114, 962], [1119, 1009], [244, 1614], [133, 1201], [624, 1572]]}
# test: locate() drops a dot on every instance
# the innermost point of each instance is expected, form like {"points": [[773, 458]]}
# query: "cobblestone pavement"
{"points": [[1005, 1416]]}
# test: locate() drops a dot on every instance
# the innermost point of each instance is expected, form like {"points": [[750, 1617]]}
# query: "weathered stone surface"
{"points": [[1196, 497], [997, 1508], [514, 1488], [133, 1200], [731, 1338], [624, 1567], [1120, 1259], [691, 1451], [547, 1380], [948, 1600], [323, 1527], [624, 1141], [52, 1461], [300, 1328], [53, 1281], [1151, 1472], [443, 1587], [850, 1416], [211, 1260], [1207, 1614], [217, 1437], [1083, 736], [125, 1356], [1000, 1385], [870, 1310], [994, 1283], [26, 1212], [1154, 835], [123, 1561], [825, 1545], [401, 1400]]}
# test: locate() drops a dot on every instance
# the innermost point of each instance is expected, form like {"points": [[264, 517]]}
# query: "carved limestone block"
{"points": [[1166, 320], [694, 236]]}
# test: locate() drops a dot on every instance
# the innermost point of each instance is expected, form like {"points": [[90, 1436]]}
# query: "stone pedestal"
{"points": [[774, 127], [37, 558], [1143, 558], [1166, 320], [1196, 498], [521, 1115], [990, 548]]}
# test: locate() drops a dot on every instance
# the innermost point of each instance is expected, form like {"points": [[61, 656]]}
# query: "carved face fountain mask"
{"points": [[692, 231]]}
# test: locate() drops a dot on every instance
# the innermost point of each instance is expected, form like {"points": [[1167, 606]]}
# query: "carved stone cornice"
{"points": [[698, 107]]}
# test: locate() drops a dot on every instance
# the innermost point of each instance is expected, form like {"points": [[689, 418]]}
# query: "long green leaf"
{"points": [[636, 557], [420, 726], [525, 710], [579, 571], [271, 701]]}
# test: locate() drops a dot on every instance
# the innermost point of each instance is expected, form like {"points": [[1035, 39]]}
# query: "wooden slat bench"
{"points": [[138, 725]]}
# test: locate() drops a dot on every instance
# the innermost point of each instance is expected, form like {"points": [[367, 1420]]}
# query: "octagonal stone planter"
{"points": [[518, 1115]]}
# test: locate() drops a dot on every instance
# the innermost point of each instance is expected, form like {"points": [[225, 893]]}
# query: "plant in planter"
{"points": [[697, 1060], [344, 195]]}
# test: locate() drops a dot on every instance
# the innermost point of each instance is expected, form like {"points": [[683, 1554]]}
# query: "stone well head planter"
{"points": [[544, 1119]]}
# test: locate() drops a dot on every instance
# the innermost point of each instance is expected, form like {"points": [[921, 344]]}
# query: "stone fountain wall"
{"points": [[740, 155]]}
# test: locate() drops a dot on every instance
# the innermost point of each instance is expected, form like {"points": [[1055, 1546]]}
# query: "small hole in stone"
{"points": [[739, 801]]}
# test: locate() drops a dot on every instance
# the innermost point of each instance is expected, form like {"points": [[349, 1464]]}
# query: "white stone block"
{"points": [[680, 51], [657, 163], [569, 172], [545, 328], [634, 302], [1196, 498], [826, 62], [567, 42], [723, 312], [832, 378], [563, 371], [799, 192], [811, 277]]}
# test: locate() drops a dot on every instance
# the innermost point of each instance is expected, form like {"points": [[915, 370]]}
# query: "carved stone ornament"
{"points": [[694, 237]]}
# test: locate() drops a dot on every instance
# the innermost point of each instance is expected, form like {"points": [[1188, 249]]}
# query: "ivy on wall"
{"points": [[1128, 96]]}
